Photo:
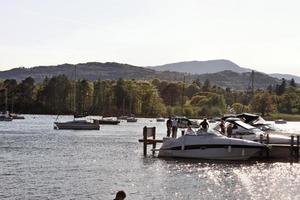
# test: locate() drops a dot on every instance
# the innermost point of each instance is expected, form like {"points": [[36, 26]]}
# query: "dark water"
{"points": [[37, 162]]}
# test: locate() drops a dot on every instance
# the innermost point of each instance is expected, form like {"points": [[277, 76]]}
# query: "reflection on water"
{"points": [[37, 162]]}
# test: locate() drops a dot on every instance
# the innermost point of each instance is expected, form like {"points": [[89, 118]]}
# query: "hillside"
{"points": [[89, 71], [239, 81], [202, 67], [114, 71], [286, 76]]}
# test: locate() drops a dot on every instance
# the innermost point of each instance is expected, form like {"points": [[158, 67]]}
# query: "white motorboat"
{"points": [[209, 145], [245, 131]]}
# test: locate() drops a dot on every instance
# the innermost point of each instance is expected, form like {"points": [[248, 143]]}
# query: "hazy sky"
{"points": [[259, 34]]}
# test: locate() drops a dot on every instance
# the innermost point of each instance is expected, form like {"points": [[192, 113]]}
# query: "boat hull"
{"points": [[109, 122], [76, 126], [209, 147], [6, 119], [213, 153]]}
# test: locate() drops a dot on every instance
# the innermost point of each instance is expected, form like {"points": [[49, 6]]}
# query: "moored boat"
{"points": [[109, 121], [5, 117], [209, 145], [246, 131], [280, 121], [131, 119], [160, 119], [16, 116], [78, 125]]}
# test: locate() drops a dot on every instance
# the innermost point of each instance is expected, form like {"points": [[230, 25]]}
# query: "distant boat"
{"points": [[131, 119], [280, 121], [5, 117], [109, 121], [160, 119], [16, 116], [123, 117]]}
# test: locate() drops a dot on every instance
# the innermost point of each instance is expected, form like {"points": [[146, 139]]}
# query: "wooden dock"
{"points": [[273, 151]]}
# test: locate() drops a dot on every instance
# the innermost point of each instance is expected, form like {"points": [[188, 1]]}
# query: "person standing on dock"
{"points": [[169, 127], [204, 124], [174, 128]]}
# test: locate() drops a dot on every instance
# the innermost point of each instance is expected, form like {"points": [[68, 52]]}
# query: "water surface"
{"points": [[38, 162]]}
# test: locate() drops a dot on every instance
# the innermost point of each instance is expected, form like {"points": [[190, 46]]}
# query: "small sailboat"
{"points": [[5, 115], [79, 122], [83, 124]]}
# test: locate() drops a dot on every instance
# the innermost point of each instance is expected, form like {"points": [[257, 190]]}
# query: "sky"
{"points": [[259, 34]]}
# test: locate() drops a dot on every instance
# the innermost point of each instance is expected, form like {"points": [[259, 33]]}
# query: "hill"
{"points": [[239, 81], [202, 67], [286, 76], [113, 71]]}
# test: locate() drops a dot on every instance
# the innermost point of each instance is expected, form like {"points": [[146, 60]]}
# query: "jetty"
{"points": [[282, 152]]}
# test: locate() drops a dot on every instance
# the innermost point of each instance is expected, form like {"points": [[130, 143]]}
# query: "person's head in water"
{"points": [[120, 195]]}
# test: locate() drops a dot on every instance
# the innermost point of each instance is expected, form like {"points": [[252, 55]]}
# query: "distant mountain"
{"points": [[239, 81], [113, 71], [286, 76], [202, 67]]}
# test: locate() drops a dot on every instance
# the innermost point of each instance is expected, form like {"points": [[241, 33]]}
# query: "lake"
{"points": [[38, 162]]}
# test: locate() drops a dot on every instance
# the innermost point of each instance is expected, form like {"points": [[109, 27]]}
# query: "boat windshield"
{"points": [[209, 131], [244, 125]]}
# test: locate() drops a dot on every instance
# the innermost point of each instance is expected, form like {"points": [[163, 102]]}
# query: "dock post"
{"points": [[145, 140], [297, 149], [292, 147], [154, 143]]}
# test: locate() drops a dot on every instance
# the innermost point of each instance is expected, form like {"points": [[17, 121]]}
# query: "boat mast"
{"points": [[252, 83], [75, 81], [182, 95], [5, 91]]}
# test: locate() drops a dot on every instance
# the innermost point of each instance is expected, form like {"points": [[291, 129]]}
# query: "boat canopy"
{"points": [[244, 125]]}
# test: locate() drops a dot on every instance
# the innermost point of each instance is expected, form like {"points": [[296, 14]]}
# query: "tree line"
{"points": [[59, 95]]}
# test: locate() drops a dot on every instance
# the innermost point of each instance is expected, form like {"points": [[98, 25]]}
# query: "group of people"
{"points": [[172, 126]]}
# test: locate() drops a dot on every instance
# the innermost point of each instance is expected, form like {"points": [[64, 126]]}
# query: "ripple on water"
{"points": [[37, 162]]}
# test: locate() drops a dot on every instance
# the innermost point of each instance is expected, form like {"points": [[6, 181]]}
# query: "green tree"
{"points": [[263, 103]]}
